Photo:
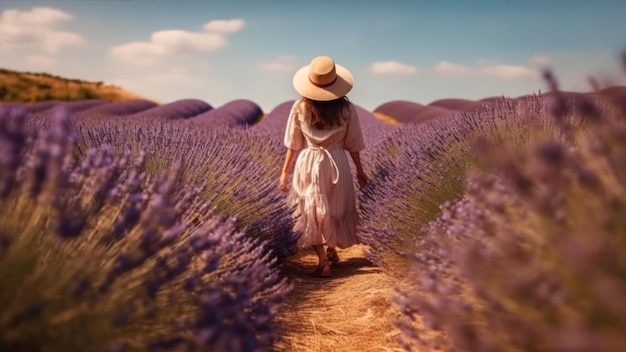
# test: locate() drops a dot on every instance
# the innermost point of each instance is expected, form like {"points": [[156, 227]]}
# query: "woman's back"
{"points": [[330, 136]]}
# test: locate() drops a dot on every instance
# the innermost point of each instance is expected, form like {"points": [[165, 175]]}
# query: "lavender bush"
{"points": [[531, 258], [456, 104], [421, 166], [277, 118], [615, 96], [72, 107], [121, 108], [407, 112], [375, 131], [97, 254], [234, 167], [521, 263], [180, 109], [41, 105], [239, 112], [29, 108]]}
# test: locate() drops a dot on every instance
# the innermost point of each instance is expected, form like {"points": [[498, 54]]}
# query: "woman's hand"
{"points": [[290, 159], [362, 178], [283, 181]]}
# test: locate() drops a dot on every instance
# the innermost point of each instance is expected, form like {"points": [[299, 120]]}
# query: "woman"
{"points": [[322, 124]]}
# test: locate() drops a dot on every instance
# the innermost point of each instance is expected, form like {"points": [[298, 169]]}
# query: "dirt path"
{"points": [[352, 311]]}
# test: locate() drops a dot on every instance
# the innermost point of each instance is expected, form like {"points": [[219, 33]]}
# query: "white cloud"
{"points": [[165, 43], [140, 53], [281, 64], [40, 60], [392, 68], [447, 67], [541, 59], [508, 71], [177, 42], [39, 27], [37, 16], [224, 26]]}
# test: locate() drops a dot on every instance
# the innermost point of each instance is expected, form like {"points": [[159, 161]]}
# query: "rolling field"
{"points": [[489, 225]]}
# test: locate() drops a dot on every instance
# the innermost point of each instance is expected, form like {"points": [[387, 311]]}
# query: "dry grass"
{"points": [[32, 87], [352, 311]]}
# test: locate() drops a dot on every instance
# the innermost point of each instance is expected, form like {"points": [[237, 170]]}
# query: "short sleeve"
{"points": [[354, 137], [294, 139]]}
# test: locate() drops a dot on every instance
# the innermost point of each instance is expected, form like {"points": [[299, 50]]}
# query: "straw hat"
{"points": [[323, 80]]}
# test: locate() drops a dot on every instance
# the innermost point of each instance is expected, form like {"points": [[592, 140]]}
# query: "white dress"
{"points": [[322, 193]]}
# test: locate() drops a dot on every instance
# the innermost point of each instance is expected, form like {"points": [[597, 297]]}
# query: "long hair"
{"points": [[327, 114]]}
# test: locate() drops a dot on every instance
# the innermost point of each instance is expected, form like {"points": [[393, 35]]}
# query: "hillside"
{"points": [[29, 87]]}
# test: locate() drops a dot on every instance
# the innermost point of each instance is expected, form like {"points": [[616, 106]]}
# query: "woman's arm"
{"points": [[360, 174], [290, 159]]}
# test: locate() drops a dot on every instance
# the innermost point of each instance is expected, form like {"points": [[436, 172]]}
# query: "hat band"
{"points": [[323, 85]]}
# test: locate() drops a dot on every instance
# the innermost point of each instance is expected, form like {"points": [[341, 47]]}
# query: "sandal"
{"points": [[319, 270], [332, 255]]}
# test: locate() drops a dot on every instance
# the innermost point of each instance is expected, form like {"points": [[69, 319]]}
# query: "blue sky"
{"points": [[219, 51]]}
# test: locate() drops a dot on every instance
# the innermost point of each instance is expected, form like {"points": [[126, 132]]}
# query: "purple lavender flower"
{"points": [[276, 119], [139, 243], [239, 112], [411, 112], [518, 261], [180, 109], [118, 109]]}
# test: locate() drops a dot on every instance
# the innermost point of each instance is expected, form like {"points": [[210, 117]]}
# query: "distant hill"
{"points": [[30, 87]]}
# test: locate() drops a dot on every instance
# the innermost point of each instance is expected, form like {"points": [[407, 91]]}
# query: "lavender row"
{"points": [[246, 112], [420, 166], [234, 113], [117, 109], [531, 258], [234, 167], [406, 112], [239, 112], [98, 253], [180, 109], [276, 119], [201, 146]]}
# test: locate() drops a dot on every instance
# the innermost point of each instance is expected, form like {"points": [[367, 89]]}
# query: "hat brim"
{"points": [[338, 89]]}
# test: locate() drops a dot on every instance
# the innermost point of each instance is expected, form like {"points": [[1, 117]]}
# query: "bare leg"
{"points": [[332, 255], [323, 266]]}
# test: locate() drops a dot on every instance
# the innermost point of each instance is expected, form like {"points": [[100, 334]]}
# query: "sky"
{"points": [[219, 51]]}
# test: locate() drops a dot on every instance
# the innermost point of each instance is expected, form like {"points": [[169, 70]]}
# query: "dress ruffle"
{"points": [[316, 226]]}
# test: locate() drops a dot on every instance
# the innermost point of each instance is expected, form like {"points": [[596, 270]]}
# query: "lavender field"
{"points": [[133, 226]]}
